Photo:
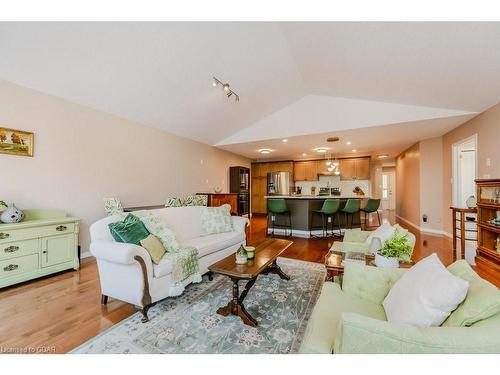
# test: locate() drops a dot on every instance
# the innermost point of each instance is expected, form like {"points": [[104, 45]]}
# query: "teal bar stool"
{"points": [[351, 207], [330, 209], [371, 206], [276, 208]]}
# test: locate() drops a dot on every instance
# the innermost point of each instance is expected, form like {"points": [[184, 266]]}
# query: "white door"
{"points": [[464, 170], [389, 190]]}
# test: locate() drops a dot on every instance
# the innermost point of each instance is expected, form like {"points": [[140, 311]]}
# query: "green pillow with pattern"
{"points": [[130, 230], [216, 220]]}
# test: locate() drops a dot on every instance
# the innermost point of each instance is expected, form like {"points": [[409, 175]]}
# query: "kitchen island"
{"points": [[304, 222]]}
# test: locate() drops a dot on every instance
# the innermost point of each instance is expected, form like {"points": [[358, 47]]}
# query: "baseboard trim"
{"points": [[438, 232], [86, 254]]}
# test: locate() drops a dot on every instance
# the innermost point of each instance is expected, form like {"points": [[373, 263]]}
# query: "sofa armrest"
{"points": [[354, 235], [239, 223], [117, 252], [359, 247], [360, 334]]}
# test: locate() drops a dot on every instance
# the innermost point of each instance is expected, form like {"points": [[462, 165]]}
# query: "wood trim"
{"points": [[146, 297]]}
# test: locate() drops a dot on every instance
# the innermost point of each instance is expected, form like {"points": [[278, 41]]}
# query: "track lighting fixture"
{"points": [[226, 87]]}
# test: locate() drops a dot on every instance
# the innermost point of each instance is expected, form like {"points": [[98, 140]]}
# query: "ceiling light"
{"points": [[321, 150], [227, 89], [348, 143], [337, 173], [330, 169], [328, 162], [335, 163], [265, 151], [285, 140], [332, 139], [304, 154], [353, 150], [381, 156]]}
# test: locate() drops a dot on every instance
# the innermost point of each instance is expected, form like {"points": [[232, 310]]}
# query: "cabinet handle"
{"points": [[3, 236], [11, 249], [11, 267], [61, 228]]}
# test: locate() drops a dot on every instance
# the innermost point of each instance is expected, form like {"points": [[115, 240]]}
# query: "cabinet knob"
{"points": [[61, 228], [11, 249], [11, 267], [3, 236]]}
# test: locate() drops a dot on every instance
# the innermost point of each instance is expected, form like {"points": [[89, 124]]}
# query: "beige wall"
{"points": [[408, 184], [487, 127], [82, 155]]}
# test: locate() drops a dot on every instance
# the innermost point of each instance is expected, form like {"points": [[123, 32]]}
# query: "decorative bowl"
{"points": [[250, 252]]}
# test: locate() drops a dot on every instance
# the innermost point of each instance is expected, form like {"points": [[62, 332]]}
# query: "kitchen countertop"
{"points": [[316, 196]]}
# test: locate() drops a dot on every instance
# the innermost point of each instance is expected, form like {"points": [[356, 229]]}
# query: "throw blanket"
{"points": [[185, 269]]}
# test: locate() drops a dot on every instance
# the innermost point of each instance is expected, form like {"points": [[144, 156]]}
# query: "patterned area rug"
{"points": [[189, 323]]}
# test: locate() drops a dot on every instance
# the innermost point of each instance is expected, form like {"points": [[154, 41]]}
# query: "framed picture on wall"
{"points": [[16, 142]]}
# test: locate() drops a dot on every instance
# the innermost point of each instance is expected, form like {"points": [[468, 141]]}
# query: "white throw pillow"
{"points": [[425, 295], [216, 220], [383, 233]]}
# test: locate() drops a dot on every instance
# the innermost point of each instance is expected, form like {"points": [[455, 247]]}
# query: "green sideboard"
{"points": [[45, 242]]}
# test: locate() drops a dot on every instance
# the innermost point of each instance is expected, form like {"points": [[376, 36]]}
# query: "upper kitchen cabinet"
{"points": [[305, 170], [355, 169]]}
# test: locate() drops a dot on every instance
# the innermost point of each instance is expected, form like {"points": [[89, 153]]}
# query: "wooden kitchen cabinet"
{"points": [[258, 186], [305, 170], [355, 169], [219, 199]]}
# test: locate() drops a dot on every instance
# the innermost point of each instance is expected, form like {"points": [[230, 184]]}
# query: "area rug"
{"points": [[190, 324]]}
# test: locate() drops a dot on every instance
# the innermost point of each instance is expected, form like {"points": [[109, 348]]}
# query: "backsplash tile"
{"points": [[346, 187]]}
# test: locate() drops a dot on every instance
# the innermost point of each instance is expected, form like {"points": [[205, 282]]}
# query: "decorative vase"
{"points": [[11, 214], [250, 252], [217, 189], [471, 202], [384, 262], [241, 255]]}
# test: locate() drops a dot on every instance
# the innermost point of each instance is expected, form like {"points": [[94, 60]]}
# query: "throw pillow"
{"points": [[112, 206], [383, 232], [196, 200], [216, 220], [482, 300], [425, 295], [174, 202], [158, 226], [130, 230], [154, 247]]}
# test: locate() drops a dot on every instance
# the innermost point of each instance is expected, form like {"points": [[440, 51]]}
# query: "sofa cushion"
{"points": [[384, 232], [184, 221], [216, 220], [130, 230], [323, 325], [154, 247], [157, 225], [482, 300], [163, 268], [215, 242], [425, 295], [369, 283]]}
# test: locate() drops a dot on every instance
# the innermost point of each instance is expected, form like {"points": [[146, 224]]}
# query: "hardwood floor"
{"points": [[58, 313]]}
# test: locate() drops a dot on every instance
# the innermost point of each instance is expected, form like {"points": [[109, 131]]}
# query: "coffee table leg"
{"points": [[235, 306], [274, 268]]}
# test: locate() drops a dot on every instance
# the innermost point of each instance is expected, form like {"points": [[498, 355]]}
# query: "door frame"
{"points": [[393, 191], [455, 173]]}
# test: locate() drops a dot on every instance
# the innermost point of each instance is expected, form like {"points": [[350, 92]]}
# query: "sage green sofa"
{"points": [[351, 318], [355, 240]]}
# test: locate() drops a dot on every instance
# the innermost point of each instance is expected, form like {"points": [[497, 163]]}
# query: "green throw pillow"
{"points": [[130, 230], [482, 300]]}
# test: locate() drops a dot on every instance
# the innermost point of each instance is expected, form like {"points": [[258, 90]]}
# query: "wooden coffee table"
{"points": [[264, 262]]}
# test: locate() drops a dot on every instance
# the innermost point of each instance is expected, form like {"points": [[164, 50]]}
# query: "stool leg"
{"points": [[378, 216], [338, 222], [290, 221], [267, 225]]}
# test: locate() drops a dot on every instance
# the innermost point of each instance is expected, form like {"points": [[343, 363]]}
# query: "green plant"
{"points": [[3, 204], [397, 247]]}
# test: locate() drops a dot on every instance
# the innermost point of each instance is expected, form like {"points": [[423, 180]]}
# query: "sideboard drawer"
{"points": [[19, 248], [19, 265], [42, 231]]}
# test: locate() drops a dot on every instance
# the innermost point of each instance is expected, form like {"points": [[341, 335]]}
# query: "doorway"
{"points": [[464, 170], [388, 189]]}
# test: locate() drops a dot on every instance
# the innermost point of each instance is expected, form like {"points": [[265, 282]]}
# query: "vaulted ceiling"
{"points": [[294, 79]]}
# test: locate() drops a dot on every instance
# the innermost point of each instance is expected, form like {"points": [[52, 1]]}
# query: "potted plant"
{"points": [[395, 250], [3, 206]]}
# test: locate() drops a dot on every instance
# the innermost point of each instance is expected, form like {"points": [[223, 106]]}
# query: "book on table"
{"points": [[354, 257]]}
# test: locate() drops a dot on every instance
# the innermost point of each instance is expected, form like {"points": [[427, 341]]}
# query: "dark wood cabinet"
{"points": [[218, 199]]}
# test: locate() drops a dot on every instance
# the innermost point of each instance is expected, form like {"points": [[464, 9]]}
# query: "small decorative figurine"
{"points": [[11, 214], [250, 252], [241, 255]]}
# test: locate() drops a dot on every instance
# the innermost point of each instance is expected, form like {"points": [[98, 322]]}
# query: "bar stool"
{"points": [[278, 207], [371, 205], [351, 207], [330, 209]]}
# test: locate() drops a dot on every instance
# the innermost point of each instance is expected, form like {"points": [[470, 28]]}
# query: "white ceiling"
{"points": [[159, 74]]}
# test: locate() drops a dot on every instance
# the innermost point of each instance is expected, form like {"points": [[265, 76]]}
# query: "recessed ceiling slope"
{"points": [[436, 64], [158, 74], [315, 114], [375, 140]]}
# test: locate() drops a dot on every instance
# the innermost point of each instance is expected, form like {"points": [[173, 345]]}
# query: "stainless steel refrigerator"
{"points": [[279, 183]]}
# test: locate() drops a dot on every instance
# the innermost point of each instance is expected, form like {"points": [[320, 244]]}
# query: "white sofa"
{"points": [[126, 271]]}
